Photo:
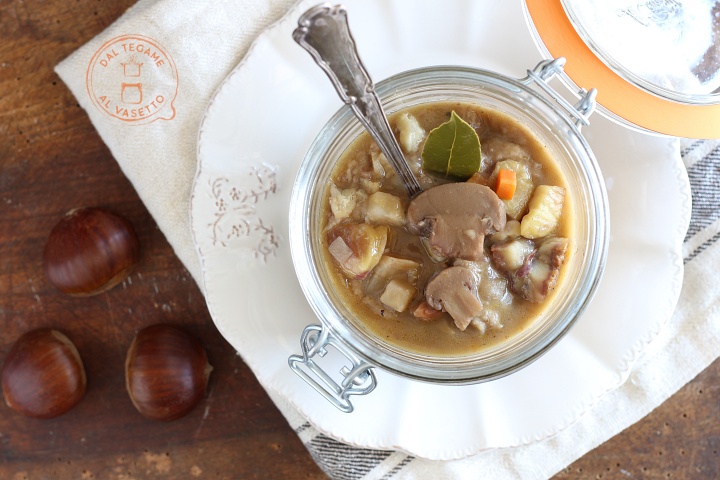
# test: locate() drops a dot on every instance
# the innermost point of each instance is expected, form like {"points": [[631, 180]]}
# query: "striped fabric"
{"points": [[345, 462], [702, 160]]}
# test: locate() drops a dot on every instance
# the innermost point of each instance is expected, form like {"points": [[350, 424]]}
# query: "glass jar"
{"points": [[556, 124]]}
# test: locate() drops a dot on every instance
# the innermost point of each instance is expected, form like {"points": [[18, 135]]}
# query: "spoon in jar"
{"points": [[324, 32]]}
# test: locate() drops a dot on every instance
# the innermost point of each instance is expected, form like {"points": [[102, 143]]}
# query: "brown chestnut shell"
{"points": [[43, 375], [166, 372], [89, 251]]}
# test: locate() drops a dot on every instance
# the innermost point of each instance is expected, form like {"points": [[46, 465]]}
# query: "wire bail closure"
{"points": [[544, 72], [358, 380]]}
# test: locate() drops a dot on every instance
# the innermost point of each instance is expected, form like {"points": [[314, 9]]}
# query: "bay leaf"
{"points": [[452, 149]]}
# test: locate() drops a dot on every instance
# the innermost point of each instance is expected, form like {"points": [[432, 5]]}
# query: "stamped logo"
{"points": [[133, 79]]}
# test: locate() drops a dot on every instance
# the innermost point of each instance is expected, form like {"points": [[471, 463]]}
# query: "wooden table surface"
{"points": [[52, 160]]}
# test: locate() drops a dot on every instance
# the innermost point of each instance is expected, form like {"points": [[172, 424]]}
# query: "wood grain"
{"points": [[52, 160]]}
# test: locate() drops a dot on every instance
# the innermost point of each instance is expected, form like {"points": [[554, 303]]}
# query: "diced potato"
{"points": [[380, 165], [385, 209], [343, 202], [391, 267], [524, 186], [384, 172], [512, 230], [398, 294], [366, 242], [509, 256], [370, 186], [479, 324], [544, 210], [411, 133]]}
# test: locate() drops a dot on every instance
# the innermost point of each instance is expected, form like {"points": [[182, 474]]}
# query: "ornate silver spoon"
{"points": [[324, 32]]}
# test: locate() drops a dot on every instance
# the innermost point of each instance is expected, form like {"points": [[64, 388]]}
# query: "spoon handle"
{"points": [[324, 32]]}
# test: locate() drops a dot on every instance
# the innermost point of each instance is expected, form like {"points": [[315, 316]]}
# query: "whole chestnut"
{"points": [[43, 375], [89, 251], [166, 372]]}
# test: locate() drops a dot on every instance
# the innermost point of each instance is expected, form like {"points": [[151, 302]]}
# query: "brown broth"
{"points": [[403, 330]]}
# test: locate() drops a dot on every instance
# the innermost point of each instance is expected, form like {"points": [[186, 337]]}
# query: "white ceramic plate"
{"points": [[253, 137]]}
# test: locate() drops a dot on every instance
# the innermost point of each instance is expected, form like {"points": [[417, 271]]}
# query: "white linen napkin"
{"points": [[206, 40]]}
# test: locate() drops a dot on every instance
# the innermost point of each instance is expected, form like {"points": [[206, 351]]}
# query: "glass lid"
{"points": [[669, 47], [655, 63]]}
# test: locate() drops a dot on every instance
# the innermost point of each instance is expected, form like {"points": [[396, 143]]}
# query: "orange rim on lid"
{"points": [[622, 98]]}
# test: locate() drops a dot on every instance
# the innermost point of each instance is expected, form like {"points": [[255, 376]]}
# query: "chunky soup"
{"points": [[470, 261]]}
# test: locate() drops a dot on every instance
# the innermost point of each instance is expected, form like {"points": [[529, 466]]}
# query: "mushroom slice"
{"points": [[454, 290], [455, 217]]}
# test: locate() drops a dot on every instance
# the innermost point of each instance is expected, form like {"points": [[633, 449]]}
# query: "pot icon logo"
{"points": [[131, 68], [133, 79]]}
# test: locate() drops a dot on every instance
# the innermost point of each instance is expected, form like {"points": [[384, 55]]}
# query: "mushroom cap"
{"points": [[454, 290], [456, 217]]}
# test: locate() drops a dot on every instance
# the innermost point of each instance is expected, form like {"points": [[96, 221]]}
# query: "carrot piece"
{"points": [[506, 183]]}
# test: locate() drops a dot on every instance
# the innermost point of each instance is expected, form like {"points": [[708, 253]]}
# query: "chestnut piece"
{"points": [[166, 372], [90, 251], [43, 375]]}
